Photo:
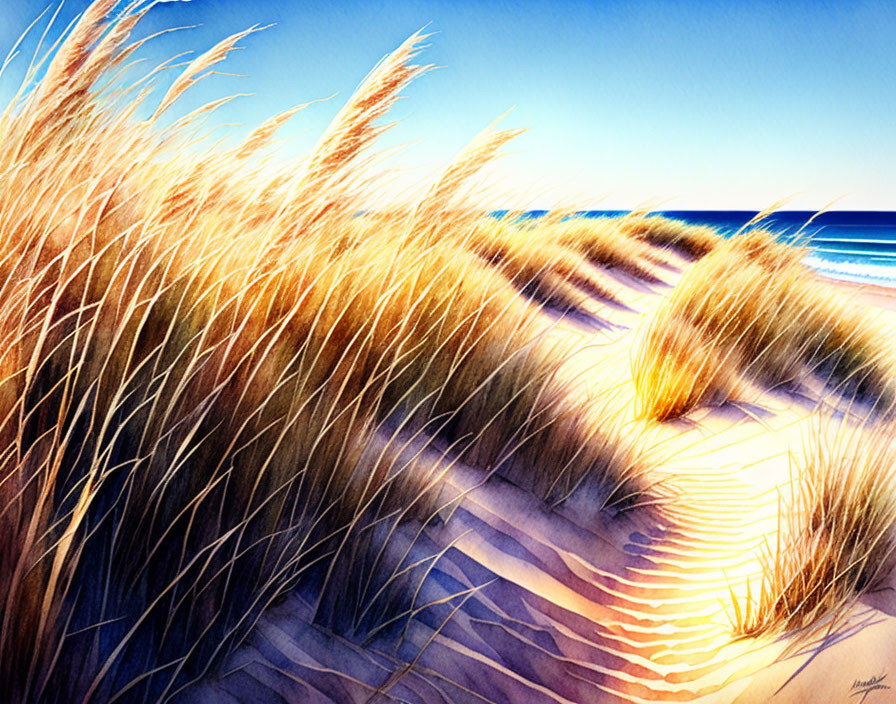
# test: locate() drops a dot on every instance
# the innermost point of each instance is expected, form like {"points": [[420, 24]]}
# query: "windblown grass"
{"points": [[607, 243], [541, 266], [751, 313], [212, 371], [562, 262], [694, 240], [837, 537]]}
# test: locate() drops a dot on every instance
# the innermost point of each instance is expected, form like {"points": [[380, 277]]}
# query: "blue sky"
{"points": [[687, 104]]}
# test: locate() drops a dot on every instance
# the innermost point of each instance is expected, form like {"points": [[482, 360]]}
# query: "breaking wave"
{"points": [[884, 274]]}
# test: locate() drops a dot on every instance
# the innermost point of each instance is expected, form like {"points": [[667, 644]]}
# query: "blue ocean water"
{"points": [[852, 245], [855, 246]]}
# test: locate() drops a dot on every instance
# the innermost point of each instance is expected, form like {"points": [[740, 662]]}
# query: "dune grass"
{"points": [[541, 266], [751, 313], [212, 370], [838, 534], [607, 243], [564, 262], [693, 240]]}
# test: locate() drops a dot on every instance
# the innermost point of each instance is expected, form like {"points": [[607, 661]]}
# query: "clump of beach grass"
{"points": [[607, 243], [211, 368], [750, 313], [563, 262], [538, 264], [837, 536], [693, 240]]}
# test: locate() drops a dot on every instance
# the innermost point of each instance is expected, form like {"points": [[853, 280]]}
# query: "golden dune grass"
{"points": [[660, 231], [534, 259], [838, 533], [608, 243], [559, 260], [750, 313], [212, 370]]}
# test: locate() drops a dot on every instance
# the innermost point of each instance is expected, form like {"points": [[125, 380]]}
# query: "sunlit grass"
{"points": [[213, 369], [660, 231], [837, 535], [751, 313]]}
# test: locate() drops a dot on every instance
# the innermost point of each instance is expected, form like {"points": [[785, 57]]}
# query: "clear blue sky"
{"points": [[692, 104]]}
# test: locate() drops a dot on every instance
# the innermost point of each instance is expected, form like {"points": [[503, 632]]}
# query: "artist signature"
{"points": [[865, 687]]}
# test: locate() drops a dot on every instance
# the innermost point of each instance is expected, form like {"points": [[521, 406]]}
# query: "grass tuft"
{"points": [[839, 533], [693, 240], [751, 313]]}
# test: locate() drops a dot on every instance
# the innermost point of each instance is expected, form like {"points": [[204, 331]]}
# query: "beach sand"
{"points": [[868, 294]]}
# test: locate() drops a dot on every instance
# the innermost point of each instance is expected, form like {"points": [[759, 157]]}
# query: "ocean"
{"points": [[858, 246]]}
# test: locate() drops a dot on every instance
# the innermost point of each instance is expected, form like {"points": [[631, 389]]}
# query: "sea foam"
{"points": [[854, 271]]}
